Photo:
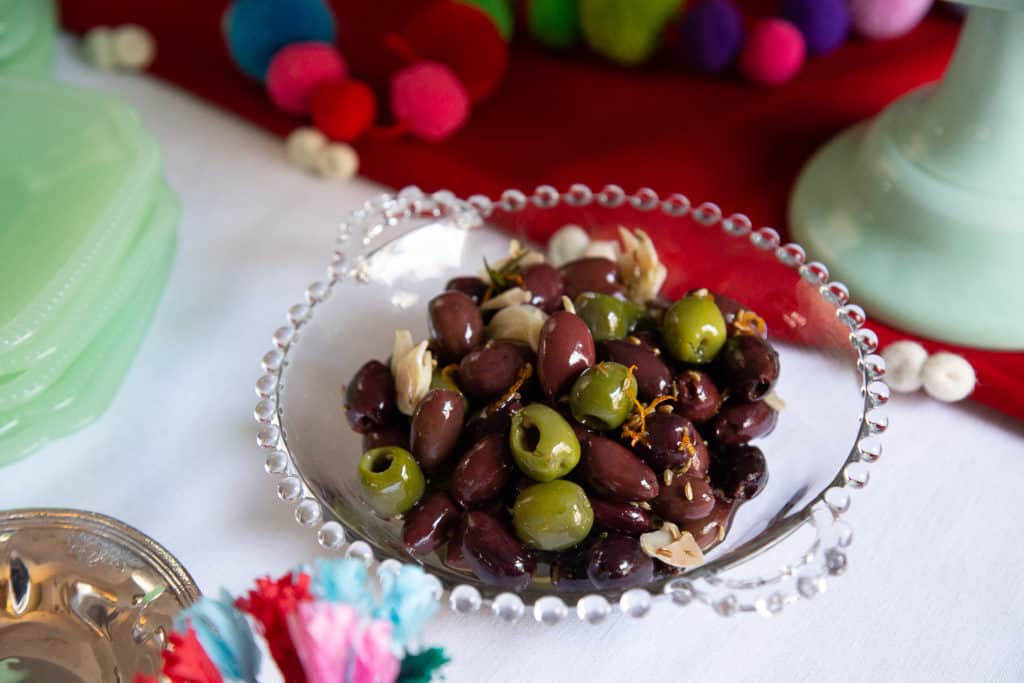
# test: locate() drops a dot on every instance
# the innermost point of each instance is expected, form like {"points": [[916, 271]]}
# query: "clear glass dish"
{"points": [[398, 251]]}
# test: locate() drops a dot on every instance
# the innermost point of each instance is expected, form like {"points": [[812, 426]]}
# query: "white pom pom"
{"points": [[98, 48], [304, 145], [134, 47], [903, 363], [948, 377], [337, 160], [567, 244]]}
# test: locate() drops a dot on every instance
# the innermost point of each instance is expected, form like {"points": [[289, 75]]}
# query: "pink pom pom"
{"points": [[322, 634], [296, 71], [429, 100], [773, 53], [883, 19]]}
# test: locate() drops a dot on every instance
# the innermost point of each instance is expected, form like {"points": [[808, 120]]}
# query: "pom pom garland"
{"points": [[823, 23], [885, 19], [428, 100], [904, 361], [344, 110], [500, 13], [711, 35], [256, 29], [625, 31], [948, 377], [297, 70], [554, 23], [773, 54]]}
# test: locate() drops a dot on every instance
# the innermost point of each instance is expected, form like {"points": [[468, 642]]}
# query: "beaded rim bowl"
{"points": [[739, 580]]}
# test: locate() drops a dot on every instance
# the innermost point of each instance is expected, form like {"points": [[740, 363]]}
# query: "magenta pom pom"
{"points": [[884, 19], [297, 70], [429, 100], [774, 52], [824, 23]]}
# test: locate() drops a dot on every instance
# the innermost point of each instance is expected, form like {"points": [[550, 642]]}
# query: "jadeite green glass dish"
{"points": [[28, 31]]}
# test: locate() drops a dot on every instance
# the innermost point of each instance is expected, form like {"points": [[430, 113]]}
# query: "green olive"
{"points": [[444, 380], [392, 481], [603, 396], [552, 516], [543, 443], [694, 329], [606, 316]]}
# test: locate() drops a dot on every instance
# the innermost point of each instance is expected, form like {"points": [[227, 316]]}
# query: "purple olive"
{"points": [[673, 442], [618, 563], [594, 274], [698, 396], [491, 419], [569, 570], [566, 349], [711, 529], [490, 370], [739, 472], [456, 325], [544, 282], [749, 367], [436, 426], [430, 524], [453, 557], [395, 434], [473, 287], [621, 517], [482, 471], [652, 375], [613, 471], [495, 555], [686, 498], [739, 319], [370, 398], [739, 422]]}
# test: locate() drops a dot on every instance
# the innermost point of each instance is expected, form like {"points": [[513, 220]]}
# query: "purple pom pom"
{"points": [[711, 35], [824, 23]]}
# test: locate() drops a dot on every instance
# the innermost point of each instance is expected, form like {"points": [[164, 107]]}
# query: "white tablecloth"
{"points": [[935, 586]]}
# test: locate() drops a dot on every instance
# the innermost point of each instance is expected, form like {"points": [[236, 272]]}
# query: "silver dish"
{"points": [[85, 598], [396, 252]]}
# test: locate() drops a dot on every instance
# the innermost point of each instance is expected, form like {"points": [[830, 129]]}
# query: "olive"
{"points": [[494, 418], [738, 318], [489, 371], [370, 398], [430, 524], [606, 316], [653, 378], [565, 350], [711, 529], [618, 562], [739, 472], [673, 442], [543, 444], [569, 571], [436, 425], [592, 274], [622, 517], [544, 283], [495, 555], [482, 471], [456, 325], [739, 422], [391, 480], [471, 286], [554, 515], [685, 498], [453, 557], [603, 396], [749, 367], [396, 434], [693, 329], [611, 470], [698, 397], [440, 379]]}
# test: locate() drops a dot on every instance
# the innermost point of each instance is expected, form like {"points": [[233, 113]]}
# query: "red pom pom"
{"points": [[344, 110], [187, 662], [463, 38], [270, 604], [429, 100], [297, 70]]}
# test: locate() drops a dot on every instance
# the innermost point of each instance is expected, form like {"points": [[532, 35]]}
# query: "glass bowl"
{"points": [[398, 251]]}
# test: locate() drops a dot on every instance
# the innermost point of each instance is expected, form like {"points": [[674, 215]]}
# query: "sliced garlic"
{"points": [[412, 378], [510, 297], [403, 345], [520, 323], [608, 249], [568, 305], [639, 267], [567, 244], [774, 401], [673, 547]]}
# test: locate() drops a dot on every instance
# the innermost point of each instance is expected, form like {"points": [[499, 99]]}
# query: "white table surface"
{"points": [[935, 587]]}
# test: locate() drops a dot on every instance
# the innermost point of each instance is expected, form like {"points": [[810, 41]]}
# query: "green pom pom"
{"points": [[421, 667], [625, 31], [554, 23], [500, 13]]}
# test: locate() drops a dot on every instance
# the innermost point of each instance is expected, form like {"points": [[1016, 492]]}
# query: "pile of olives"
{"points": [[625, 416]]}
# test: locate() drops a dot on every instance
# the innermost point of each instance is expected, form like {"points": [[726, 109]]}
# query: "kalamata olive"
{"points": [[592, 274], [739, 472], [430, 524], [618, 562], [652, 375], [453, 557], [748, 366], [739, 319], [566, 349], [622, 517], [544, 282], [482, 471], [370, 398], [711, 529], [473, 287], [495, 555], [436, 425], [395, 434], [456, 325], [489, 371], [698, 396], [491, 419], [569, 571], [673, 442], [685, 498], [739, 422], [614, 472]]}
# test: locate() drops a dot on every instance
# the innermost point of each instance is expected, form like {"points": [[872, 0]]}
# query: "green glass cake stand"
{"points": [[28, 30]]}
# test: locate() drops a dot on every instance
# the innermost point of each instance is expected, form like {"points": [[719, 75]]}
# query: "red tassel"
{"points": [[270, 604], [187, 662]]}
